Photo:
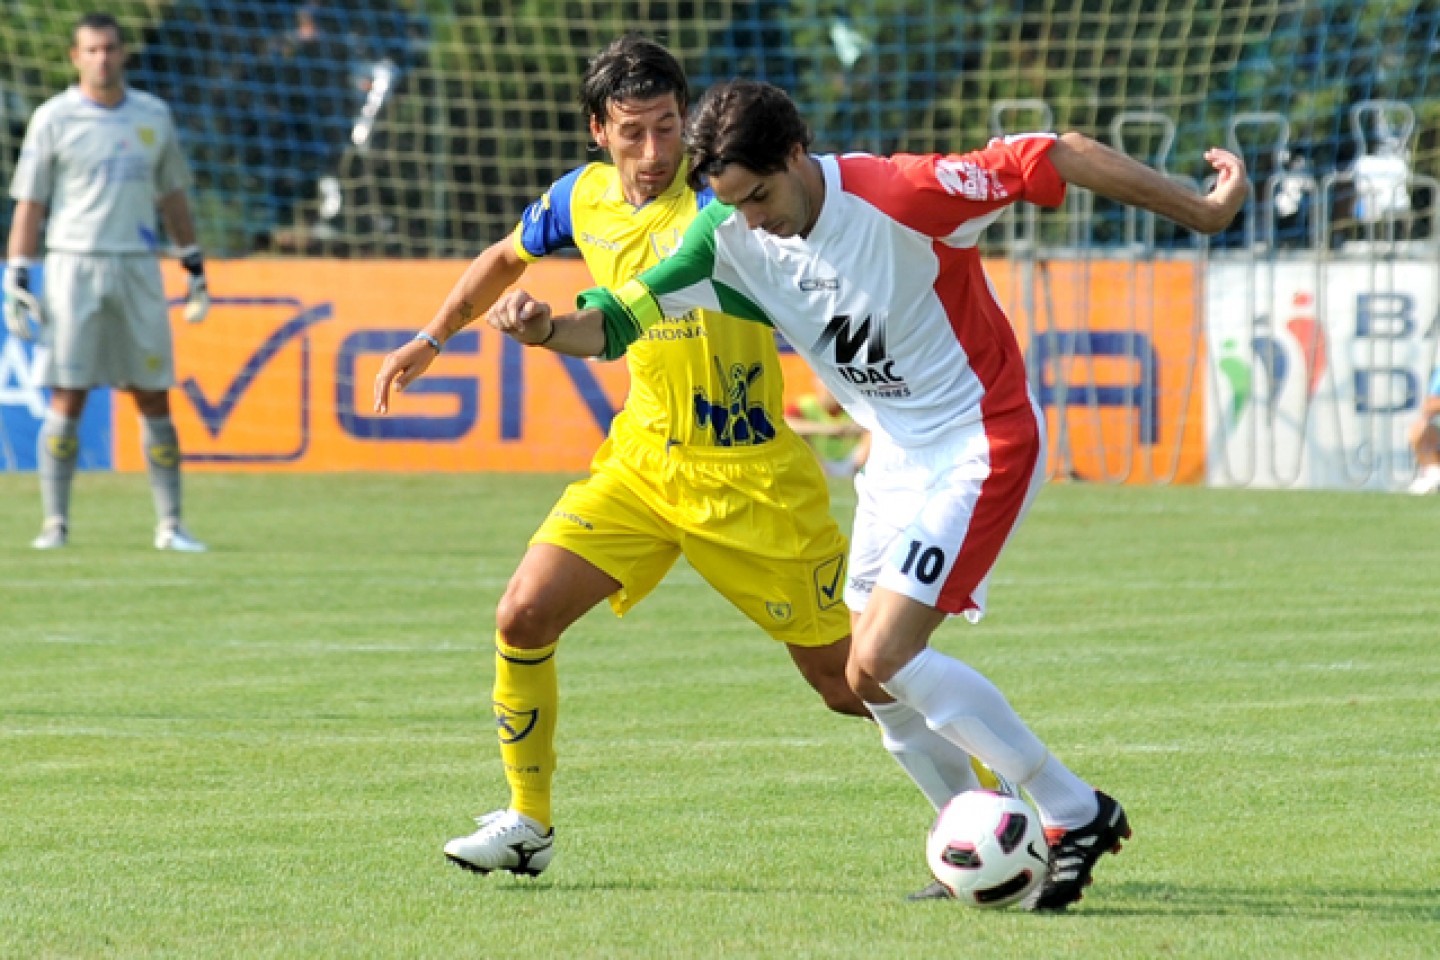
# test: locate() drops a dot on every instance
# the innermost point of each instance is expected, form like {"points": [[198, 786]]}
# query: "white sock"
{"points": [[939, 768], [57, 452], [961, 705], [1064, 799], [162, 463]]}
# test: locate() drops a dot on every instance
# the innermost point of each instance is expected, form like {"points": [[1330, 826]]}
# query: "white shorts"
{"points": [[930, 523], [108, 323]]}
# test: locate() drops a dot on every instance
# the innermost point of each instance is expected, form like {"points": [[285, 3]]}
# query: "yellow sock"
{"points": [[527, 696]]}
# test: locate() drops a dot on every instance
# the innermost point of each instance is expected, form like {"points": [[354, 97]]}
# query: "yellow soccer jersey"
{"points": [[702, 379]]}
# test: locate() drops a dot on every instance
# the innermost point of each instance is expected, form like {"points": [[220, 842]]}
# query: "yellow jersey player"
{"points": [[698, 462]]}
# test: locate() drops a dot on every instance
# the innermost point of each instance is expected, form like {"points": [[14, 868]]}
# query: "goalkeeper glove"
{"points": [[197, 296], [22, 308]]}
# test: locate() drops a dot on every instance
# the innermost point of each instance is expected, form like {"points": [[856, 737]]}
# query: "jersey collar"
{"points": [[80, 96], [830, 170]]}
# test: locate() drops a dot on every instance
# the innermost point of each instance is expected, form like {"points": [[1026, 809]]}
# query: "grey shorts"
{"points": [[108, 323]]}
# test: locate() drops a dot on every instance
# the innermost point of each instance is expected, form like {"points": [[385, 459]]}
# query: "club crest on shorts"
{"points": [[779, 611], [514, 725]]}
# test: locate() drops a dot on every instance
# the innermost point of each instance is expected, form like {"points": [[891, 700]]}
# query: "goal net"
{"points": [[401, 130]]}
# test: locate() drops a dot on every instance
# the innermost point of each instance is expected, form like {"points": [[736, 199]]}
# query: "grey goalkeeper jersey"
{"points": [[100, 171]]}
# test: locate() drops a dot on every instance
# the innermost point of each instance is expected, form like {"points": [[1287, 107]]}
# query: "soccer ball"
{"points": [[988, 848]]}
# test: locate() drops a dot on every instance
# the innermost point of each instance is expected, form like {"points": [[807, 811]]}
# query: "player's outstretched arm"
{"points": [[531, 322], [1090, 164], [488, 276]]}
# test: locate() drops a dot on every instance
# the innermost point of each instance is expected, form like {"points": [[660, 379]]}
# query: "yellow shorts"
{"points": [[754, 522]]}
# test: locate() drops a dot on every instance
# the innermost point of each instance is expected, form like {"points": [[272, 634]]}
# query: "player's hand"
{"points": [[197, 300], [1231, 187], [522, 317], [400, 368], [22, 308]]}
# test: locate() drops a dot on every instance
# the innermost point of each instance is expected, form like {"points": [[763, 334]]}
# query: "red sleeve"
{"points": [[936, 193]]}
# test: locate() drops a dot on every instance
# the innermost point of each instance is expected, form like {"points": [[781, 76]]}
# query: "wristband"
{"points": [[22, 263], [422, 335]]}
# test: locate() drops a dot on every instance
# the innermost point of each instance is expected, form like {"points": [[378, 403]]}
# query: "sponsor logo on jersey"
{"points": [[735, 419], [811, 284], [962, 178], [611, 245], [874, 374], [573, 518], [146, 135]]}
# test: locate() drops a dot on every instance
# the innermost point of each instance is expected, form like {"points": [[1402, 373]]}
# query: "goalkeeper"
{"points": [[100, 158], [698, 462]]}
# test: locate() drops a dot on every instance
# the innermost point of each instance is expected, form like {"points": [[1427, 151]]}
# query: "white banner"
{"points": [[1315, 369]]}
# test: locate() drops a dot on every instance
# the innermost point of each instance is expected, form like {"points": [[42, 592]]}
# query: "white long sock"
{"points": [[162, 462], [963, 706], [939, 768], [57, 453]]}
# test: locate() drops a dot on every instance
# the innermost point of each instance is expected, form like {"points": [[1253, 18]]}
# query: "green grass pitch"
{"points": [[259, 752]]}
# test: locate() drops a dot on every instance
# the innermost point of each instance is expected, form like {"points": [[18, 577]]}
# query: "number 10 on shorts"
{"points": [[923, 563]]}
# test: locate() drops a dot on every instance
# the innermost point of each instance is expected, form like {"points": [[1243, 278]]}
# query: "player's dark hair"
{"points": [[632, 67], [97, 21], [747, 122]]}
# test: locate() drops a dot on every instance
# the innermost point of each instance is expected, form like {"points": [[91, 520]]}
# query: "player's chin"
{"points": [[654, 184]]}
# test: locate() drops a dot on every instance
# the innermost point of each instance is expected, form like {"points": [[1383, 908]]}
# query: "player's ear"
{"points": [[597, 133]]}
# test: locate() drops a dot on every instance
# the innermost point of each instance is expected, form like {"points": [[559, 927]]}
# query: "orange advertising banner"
{"points": [[280, 376], [1118, 346]]}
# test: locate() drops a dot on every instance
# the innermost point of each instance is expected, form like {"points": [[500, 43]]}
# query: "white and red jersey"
{"points": [[885, 297]]}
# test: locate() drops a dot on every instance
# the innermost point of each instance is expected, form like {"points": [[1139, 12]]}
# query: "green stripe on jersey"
{"points": [[687, 279], [621, 326], [684, 282]]}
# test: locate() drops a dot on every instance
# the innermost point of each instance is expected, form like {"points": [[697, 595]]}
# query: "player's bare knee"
{"points": [[865, 687], [152, 403], [876, 660], [68, 403], [524, 620]]}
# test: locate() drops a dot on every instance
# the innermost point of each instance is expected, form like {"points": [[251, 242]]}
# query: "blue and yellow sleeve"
{"points": [[547, 224]]}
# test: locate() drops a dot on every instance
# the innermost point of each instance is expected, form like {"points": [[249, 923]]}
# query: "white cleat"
{"points": [[1427, 482], [177, 538], [506, 840], [53, 535]]}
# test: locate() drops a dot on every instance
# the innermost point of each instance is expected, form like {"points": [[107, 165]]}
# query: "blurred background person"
{"points": [[840, 443]]}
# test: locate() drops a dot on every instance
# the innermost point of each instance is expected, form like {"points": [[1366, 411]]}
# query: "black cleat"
{"points": [[935, 891], [1074, 853]]}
